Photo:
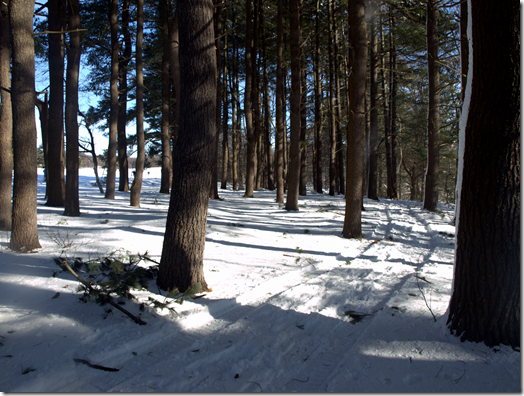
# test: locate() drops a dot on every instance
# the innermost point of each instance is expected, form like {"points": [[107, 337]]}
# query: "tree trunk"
{"points": [[302, 189], [338, 124], [279, 133], [213, 191], [356, 120], [136, 187], [432, 169], [485, 302], [181, 264], [318, 105], [113, 117], [24, 231], [373, 116], [248, 104], [72, 202], [6, 122], [123, 167], [296, 96], [392, 178], [167, 166], [55, 181], [225, 114], [175, 80], [331, 112]]}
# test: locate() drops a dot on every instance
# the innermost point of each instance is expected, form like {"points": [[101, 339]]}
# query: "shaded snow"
{"points": [[275, 320]]}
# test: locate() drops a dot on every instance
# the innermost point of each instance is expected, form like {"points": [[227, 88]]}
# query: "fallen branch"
{"points": [[105, 297], [95, 366]]}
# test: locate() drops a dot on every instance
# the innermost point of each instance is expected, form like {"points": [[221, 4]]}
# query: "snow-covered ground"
{"points": [[277, 319]]}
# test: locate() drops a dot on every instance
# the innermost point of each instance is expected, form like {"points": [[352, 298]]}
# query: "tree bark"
{"points": [[373, 116], [485, 302], [356, 120], [248, 104], [213, 190], [136, 187], [318, 106], [123, 166], [113, 117], [331, 111], [296, 96], [433, 128], [24, 232], [225, 114], [279, 133], [55, 181], [167, 166], [181, 264], [72, 202], [6, 122]]}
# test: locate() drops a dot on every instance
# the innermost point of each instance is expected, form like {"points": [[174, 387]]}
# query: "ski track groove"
{"points": [[322, 361]]}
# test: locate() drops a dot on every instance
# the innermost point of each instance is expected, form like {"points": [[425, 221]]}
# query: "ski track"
{"points": [[305, 349]]}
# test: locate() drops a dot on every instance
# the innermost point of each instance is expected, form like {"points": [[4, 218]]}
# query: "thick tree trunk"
{"points": [[279, 133], [356, 120], [24, 231], [485, 302], [225, 114], [136, 187], [331, 111], [72, 202], [338, 124], [433, 128], [296, 96], [6, 122], [181, 264], [55, 181], [213, 190], [113, 117], [248, 104]]}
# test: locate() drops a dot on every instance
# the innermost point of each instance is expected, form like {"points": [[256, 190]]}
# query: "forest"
{"points": [[375, 99]]}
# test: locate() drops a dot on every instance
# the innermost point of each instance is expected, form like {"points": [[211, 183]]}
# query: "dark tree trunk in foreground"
{"points": [[431, 182], [55, 127], [356, 120], [113, 117], [6, 123], [294, 145], [485, 303], [182, 263], [373, 101], [136, 187], [72, 203], [24, 233]]}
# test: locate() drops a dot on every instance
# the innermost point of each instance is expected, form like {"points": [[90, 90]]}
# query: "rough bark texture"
{"points": [[485, 304], [72, 203], [6, 122], [55, 127], [294, 145], [113, 117], [24, 233], [356, 120], [432, 170], [136, 187], [181, 264]]}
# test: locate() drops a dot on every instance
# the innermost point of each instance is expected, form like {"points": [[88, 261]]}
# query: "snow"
{"points": [[277, 318]]}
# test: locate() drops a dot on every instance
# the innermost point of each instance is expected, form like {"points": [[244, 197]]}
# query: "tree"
{"points": [[6, 124], [136, 187], [296, 96], [24, 233], [432, 170], [485, 302], [72, 203], [248, 104], [57, 19], [356, 120], [373, 102], [113, 117], [181, 264], [280, 132]]}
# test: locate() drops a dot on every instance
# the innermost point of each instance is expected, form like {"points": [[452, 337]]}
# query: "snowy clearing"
{"points": [[283, 315]]}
